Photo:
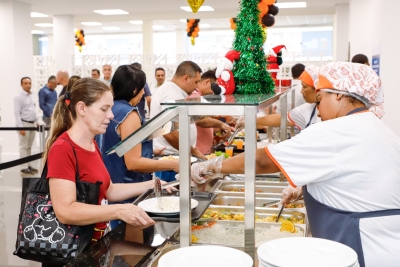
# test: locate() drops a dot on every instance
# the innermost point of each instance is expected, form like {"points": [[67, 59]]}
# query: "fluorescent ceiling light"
{"points": [[111, 28], [291, 5], [136, 22], [38, 15], [202, 8], [111, 12], [91, 23], [37, 32], [44, 25], [158, 27], [204, 25], [183, 20]]}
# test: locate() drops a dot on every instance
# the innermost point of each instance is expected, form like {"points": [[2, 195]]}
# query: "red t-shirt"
{"points": [[61, 164], [205, 136]]}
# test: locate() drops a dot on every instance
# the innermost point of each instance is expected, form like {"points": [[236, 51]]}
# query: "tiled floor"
{"points": [[10, 200]]}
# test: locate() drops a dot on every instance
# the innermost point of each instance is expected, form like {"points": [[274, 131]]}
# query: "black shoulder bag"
{"points": [[41, 237]]}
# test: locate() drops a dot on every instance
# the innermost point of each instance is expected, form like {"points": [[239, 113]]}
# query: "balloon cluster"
{"points": [[79, 39], [268, 11], [193, 29]]}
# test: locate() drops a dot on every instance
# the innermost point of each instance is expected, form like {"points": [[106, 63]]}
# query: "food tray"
{"points": [[233, 236], [204, 199], [235, 200], [264, 187]]}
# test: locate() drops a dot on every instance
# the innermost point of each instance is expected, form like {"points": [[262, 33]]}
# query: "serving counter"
{"points": [[183, 111]]}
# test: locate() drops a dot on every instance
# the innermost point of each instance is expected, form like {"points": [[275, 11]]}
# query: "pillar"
{"points": [[64, 42], [147, 32], [341, 33], [16, 55], [181, 38]]}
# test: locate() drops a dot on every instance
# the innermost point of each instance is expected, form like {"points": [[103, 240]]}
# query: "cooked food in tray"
{"points": [[233, 233], [217, 154], [288, 206], [239, 216]]}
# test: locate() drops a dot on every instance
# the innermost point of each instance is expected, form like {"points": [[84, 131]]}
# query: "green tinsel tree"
{"points": [[250, 71]]}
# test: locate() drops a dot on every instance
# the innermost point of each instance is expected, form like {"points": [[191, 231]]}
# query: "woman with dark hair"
{"points": [[137, 164], [83, 112]]}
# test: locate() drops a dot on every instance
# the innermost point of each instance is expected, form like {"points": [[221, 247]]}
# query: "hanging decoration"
{"points": [[195, 4], [193, 29], [79, 39], [233, 23]]}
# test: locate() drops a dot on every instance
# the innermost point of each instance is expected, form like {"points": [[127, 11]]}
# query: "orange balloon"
{"points": [[195, 34], [263, 9], [268, 2], [196, 29]]}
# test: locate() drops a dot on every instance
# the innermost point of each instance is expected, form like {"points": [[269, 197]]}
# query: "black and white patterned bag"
{"points": [[41, 237]]}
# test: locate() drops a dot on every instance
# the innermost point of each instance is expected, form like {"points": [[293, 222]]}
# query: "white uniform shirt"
{"points": [[350, 163], [168, 92], [301, 115], [298, 97]]}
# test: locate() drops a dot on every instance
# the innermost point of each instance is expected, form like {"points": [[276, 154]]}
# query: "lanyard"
{"points": [[356, 110], [312, 115]]}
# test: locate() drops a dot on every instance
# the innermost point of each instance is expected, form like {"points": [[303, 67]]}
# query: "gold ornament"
{"points": [[195, 4], [264, 35], [192, 40]]}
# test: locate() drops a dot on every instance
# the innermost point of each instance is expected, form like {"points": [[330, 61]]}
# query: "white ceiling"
{"points": [[167, 13]]}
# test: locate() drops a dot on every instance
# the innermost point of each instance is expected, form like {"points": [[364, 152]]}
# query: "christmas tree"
{"points": [[250, 71]]}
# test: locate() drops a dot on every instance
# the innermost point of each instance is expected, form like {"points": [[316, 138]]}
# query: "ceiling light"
{"points": [[91, 23], [111, 28], [111, 12], [202, 8], [204, 25], [44, 25], [158, 27], [136, 22], [183, 20], [292, 5], [38, 15], [37, 32]]}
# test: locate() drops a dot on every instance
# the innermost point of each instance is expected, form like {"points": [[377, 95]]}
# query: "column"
{"points": [[16, 56], [386, 32], [360, 24], [64, 42], [181, 38], [341, 33], [147, 32]]}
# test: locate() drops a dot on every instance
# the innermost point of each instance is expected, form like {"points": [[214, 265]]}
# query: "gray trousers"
{"points": [[25, 143]]}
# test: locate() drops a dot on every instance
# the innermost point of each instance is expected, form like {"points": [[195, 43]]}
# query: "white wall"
{"points": [[340, 33], [16, 53]]}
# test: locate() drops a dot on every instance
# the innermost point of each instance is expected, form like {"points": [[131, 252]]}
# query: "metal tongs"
{"points": [[158, 191], [230, 140]]}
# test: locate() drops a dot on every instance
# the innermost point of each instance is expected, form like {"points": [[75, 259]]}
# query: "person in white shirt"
{"points": [[107, 74], [301, 116], [347, 166], [297, 70], [184, 82], [25, 116], [160, 78]]}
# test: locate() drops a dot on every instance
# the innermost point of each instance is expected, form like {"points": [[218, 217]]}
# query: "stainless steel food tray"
{"points": [[264, 187], [227, 200]]}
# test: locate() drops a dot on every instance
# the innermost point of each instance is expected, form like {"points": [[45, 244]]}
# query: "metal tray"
{"points": [[223, 185], [204, 199], [229, 200], [232, 242]]}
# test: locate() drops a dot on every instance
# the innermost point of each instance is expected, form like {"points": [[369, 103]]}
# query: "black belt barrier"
{"points": [[17, 162]]}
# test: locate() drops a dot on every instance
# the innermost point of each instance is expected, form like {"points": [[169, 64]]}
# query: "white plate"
{"points": [[192, 159], [151, 205], [306, 252], [210, 256]]}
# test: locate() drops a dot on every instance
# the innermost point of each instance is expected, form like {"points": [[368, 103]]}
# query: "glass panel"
{"points": [[238, 100], [144, 131]]}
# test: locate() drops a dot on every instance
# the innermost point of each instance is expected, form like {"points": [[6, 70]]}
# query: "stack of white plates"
{"points": [[305, 252], [210, 256]]}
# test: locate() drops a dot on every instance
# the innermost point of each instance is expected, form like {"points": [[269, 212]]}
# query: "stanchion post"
{"points": [[42, 136]]}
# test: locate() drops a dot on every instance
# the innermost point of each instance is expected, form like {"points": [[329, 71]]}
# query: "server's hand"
{"points": [[240, 123], [206, 170], [290, 194]]}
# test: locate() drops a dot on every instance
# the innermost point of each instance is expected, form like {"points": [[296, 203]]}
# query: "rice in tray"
{"points": [[233, 235]]}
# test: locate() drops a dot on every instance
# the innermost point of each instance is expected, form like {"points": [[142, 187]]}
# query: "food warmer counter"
{"points": [[184, 111]]}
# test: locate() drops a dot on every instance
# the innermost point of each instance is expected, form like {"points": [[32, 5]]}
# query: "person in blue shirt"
{"points": [[137, 164], [48, 99]]}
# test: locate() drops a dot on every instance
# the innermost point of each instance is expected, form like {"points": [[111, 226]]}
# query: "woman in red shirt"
{"points": [[83, 112]]}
